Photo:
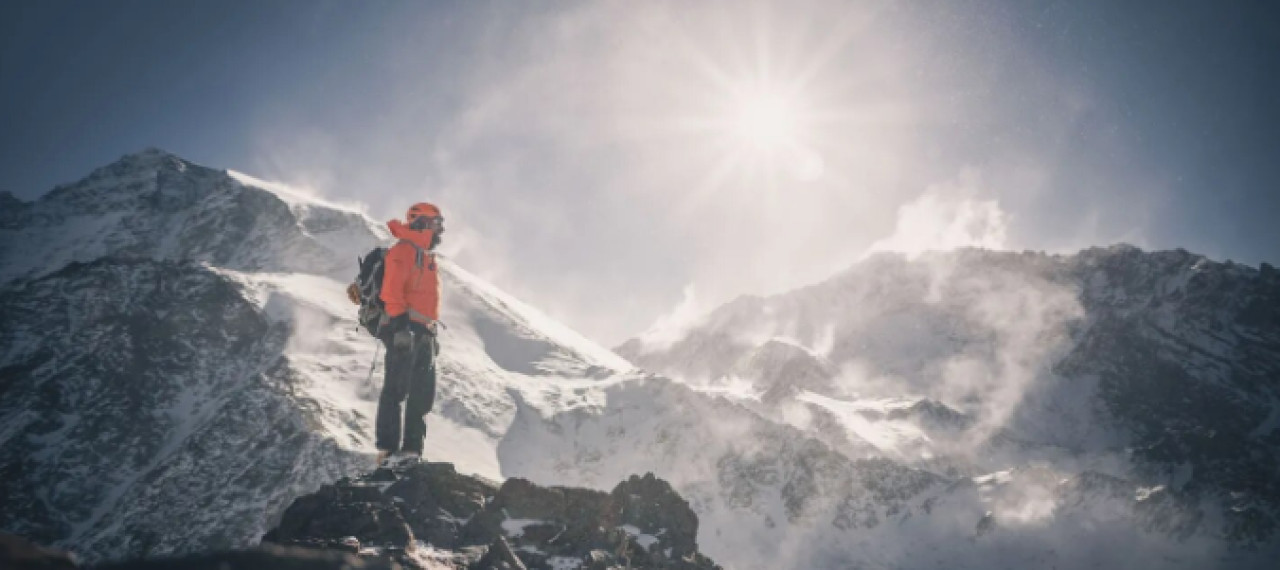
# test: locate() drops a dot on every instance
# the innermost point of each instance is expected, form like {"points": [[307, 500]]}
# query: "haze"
{"points": [[617, 164]]}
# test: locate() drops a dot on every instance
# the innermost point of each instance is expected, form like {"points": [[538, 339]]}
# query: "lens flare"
{"points": [[767, 121]]}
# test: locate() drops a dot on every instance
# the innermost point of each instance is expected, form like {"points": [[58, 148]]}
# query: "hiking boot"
{"points": [[401, 460]]}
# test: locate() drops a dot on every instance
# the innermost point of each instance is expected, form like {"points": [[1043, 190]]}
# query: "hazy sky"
{"points": [[603, 159]]}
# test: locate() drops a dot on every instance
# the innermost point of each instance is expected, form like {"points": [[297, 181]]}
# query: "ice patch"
{"points": [[644, 540], [514, 528], [1145, 493]]}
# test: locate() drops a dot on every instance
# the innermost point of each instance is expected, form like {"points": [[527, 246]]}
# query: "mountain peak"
{"points": [[12, 209], [150, 152], [147, 158], [122, 182]]}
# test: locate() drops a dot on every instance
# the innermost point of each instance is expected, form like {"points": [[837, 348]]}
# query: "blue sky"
{"points": [[605, 160]]}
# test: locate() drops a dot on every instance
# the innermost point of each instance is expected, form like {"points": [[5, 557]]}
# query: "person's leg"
{"points": [[394, 387], [422, 392]]}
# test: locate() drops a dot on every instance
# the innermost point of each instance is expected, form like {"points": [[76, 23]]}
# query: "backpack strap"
{"points": [[421, 254]]}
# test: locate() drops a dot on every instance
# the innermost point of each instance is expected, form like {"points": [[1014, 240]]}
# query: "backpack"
{"points": [[373, 313]]}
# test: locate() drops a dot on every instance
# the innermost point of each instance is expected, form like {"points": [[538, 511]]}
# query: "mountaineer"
{"points": [[398, 290]]}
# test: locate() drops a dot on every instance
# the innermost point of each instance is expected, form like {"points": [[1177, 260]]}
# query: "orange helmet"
{"points": [[421, 209]]}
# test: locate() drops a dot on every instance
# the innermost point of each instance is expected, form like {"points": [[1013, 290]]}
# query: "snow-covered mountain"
{"points": [[175, 345], [1114, 397], [180, 361]]}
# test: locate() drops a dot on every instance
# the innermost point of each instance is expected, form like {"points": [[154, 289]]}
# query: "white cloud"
{"points": [[569, 144], [948, 216], [669, 328]]}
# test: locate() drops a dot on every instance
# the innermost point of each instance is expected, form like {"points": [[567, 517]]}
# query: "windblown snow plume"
{"points": [[1047, 388], [948, 216], [1114, 408]]}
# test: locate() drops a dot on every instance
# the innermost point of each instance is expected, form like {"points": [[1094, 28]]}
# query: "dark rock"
{"points": [[12, 210], [336, 512], [643, 523], [435, 499], [266, 556], [18, 554], [986, 525], [560, 517], [499, 557], [649, 504]]}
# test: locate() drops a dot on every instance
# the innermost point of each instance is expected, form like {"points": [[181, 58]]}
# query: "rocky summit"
{"points": [[430, 516]]}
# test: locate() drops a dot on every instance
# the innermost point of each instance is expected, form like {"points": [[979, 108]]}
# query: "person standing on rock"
{"points": [[411, 294]]}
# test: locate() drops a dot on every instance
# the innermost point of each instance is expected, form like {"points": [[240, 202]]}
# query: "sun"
{"points": [[766, 121], [767, 130]]}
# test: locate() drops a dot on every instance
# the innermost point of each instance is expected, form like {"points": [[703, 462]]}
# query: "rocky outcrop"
{"points": [[781, 370], [17, 553], [431, 515]]}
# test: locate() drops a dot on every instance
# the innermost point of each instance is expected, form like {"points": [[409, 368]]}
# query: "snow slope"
{"points": [[176, 335], [175, 344], [1134, 375]]}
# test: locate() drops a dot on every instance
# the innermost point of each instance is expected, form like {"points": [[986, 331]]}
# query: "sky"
{"points": [[619, 164]]}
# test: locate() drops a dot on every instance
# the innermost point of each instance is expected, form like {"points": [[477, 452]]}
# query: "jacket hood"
{"points": [[420, 238]]}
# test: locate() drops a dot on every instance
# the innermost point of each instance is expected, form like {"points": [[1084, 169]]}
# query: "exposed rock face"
{"points": [[779, 371], [265, 556], [429, 514], [430, 517], [131, 404], [141, 382], [19, 554]]}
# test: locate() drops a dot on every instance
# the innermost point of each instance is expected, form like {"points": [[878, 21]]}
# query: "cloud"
{"points": [[1018, 325], [601, 190], [580, 152], [948, 216], [675, 325]]}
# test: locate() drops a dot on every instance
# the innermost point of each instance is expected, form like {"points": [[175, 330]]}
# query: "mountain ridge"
{"points": [[1159, 368], [118, 285], [965, 412]]}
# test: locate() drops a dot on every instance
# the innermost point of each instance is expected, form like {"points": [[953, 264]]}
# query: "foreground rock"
{"points": [[429, 516], [17, 553]]}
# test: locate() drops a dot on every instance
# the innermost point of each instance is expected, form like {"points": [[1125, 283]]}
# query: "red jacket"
{"points": [[411, 282]]}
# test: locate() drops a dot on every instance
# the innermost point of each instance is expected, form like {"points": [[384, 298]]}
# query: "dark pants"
{"points": [[410, 375]]}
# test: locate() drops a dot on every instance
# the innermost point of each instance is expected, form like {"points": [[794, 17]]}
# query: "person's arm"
{"points": [[395, 275]]}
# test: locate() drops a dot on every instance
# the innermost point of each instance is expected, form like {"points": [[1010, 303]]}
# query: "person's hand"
{"points": [[399, 330], [353, 293]]}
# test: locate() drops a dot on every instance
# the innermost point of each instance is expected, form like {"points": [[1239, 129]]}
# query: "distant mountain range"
{"points": [[180, 362]]}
